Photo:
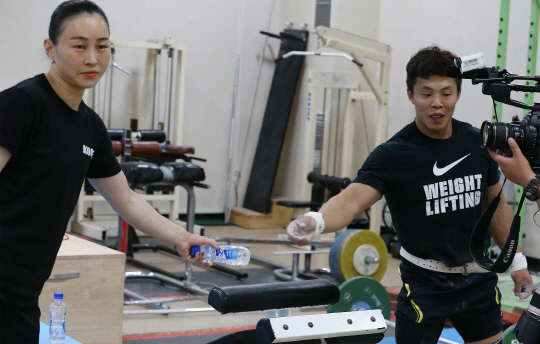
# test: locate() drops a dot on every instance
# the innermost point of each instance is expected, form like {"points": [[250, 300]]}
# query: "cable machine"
{"points": [[358, 50]]}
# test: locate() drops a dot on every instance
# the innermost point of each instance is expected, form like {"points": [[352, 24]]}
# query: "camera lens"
{"points": [[485, 130], [495, 135]]}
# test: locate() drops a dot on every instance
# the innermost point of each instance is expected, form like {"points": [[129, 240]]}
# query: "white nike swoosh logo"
{"points": [[440, 171]]}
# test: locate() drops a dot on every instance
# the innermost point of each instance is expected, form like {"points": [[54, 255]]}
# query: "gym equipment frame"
{"points": [[146, 118], [360, 49]]}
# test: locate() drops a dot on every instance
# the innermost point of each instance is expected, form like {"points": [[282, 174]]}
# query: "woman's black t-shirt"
{"points": [[54, 149]]}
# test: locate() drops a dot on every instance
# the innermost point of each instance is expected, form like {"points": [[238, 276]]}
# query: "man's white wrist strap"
{"points": [[320, 222], [519, 262]]}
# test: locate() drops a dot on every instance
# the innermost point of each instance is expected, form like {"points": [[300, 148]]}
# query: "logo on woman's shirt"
{"points": [[88, 151]]}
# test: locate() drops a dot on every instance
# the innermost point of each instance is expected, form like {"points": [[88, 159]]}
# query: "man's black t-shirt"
{"points": [[54, 148], [435, 189]]}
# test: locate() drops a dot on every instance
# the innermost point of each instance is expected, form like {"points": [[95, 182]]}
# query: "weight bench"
{"points": [[139, 175], [142, 174], [187, 175], [278, 326]]}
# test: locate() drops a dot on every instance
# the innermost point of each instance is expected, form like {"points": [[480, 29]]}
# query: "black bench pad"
{"points": [[185, 172], [174, 172], [141, 172], [259, 297]]}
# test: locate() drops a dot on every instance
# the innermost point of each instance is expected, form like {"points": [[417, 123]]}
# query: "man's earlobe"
{"points": [[410, 95]]}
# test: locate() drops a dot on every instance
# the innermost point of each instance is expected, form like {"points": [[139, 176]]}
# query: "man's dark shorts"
{"points": [[471, 302]]}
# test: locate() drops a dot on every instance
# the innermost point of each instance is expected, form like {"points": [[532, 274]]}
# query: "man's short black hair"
{"points": [[429, 61]]}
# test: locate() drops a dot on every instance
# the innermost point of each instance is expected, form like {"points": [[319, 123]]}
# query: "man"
{"points": [[436, 180]]}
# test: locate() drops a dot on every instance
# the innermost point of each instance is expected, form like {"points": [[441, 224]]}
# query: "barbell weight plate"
{"points": [[361, 293], [509, 337], [334, 253], [366, 259], [348, 248]]}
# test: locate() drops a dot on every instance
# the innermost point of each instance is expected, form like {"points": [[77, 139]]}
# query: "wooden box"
{"points": [[95, 298], [279, 216]]}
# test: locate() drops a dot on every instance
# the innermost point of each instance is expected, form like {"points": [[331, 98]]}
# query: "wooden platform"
{"points": [[91, 277], [279, 216]]}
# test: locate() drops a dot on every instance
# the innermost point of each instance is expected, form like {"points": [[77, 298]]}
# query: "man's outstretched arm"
{"points": [[335, 214]]}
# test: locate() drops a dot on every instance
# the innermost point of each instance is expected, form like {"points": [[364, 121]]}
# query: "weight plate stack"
{"points": [[334, 253]]}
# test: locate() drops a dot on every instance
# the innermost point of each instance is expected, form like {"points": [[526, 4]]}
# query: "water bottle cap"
{"points": [[58, 296], [193, 251]]}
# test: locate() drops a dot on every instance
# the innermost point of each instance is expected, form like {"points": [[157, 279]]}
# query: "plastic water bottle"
{"points": [[57, 327], [230, 255]]}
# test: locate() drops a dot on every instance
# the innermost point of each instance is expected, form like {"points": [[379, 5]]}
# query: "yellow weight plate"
{"points": [[349, 246]]}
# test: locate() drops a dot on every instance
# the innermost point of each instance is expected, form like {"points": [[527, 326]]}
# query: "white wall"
{"points": [[214, 32], [464, 27]]}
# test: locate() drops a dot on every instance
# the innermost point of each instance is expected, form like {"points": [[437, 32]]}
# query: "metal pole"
{"points": [[155, 108], [531, 71], [501, 47], [190, 222], [231, 143], [169, 114], [252, 103], [111, 70]]}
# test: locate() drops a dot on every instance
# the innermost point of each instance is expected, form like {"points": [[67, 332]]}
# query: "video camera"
{"points": [[498, 84], [494, 135]]}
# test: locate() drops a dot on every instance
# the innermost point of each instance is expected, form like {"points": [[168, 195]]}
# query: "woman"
{"points": [[50, 141]]}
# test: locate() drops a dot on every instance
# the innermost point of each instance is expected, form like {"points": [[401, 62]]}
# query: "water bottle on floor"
{"points": [[57, 329], [230, 255]]}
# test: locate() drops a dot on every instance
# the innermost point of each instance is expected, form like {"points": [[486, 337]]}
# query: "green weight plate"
{"points": [[334, 253], [351, 244], [508, 337], [356, 292]]}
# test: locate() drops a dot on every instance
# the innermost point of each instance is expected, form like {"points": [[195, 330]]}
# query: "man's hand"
{"points": [[187, 240], [522, 283], [514, 166], [302, 230]]}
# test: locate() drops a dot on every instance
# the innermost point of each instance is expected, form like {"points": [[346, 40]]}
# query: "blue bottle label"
{"points": [[227, 254]]}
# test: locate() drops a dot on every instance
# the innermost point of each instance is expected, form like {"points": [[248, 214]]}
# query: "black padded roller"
{"points": [[258, 297], [184, 172], [116, 134], [329, 182], [142, 172], [142, 135], [152, 135]]}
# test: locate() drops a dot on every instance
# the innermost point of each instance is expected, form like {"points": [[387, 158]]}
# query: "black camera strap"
{"points": [[476, 243]]}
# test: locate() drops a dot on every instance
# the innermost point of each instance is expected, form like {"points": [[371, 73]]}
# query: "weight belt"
{"points": [[435, 265]]}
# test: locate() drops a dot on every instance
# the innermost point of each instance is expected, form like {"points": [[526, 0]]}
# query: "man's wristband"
{"points": [[318, 218], [519, 262]]}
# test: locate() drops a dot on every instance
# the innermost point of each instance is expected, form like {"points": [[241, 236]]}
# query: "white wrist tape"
{"points": [[318, 218], [519, 262]]}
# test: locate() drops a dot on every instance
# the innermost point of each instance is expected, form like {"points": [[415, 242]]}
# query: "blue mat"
{"points": [[448, 333], [44, 335]]}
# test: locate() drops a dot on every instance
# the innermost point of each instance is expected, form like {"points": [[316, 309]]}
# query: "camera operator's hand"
{"points": [[302, 230], [514, 165], [522, 283]]}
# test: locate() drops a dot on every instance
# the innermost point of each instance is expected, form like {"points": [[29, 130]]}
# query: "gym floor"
{"points": [[204, 326]]}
